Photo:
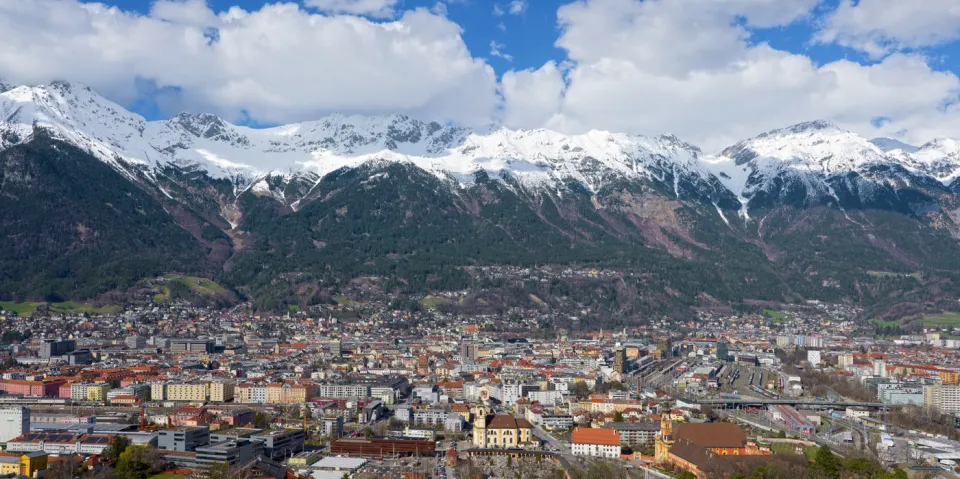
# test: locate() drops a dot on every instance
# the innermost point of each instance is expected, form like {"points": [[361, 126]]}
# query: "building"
{"points": [[944, 398], [380, 447], [720, 438], [879, 368], [194, 392], [27, 464], [183, 438], [97, 392], [620, 361], [135, 342], [54, 347], [723, 351], [191, 346], [596, 442], [158, 391], [333, 426], [501, 431], [635, 434], [281, 443], [234, 453], [14, 422], [813, 357], [343, 390], [844, 361], [222, 391]]}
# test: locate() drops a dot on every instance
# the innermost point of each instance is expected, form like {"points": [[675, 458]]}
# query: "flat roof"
{"points": [[334, 462]]}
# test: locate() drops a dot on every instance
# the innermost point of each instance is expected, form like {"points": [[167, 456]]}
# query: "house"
{"points": [[596, 442]]}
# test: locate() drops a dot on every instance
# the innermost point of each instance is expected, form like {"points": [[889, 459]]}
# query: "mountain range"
{"points": [[94, 198]]}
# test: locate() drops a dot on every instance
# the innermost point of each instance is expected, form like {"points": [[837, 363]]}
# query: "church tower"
{"points": [[664, 441]]}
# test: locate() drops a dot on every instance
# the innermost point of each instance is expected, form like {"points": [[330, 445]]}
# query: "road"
{"points": [[554, 442]]}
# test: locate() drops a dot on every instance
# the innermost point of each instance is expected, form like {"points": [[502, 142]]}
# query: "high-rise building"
{"points": [[135, 342], [813, 357], [56, 347], [336, 348], [333, 426], [14, 422], [723, 351], [844, 360], [665, 347], [879, 368], [620, 360]]}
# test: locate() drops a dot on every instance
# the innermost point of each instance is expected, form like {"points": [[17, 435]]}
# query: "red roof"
{"points": [[600, 436]]}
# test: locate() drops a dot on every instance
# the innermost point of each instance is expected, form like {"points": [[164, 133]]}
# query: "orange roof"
{"points": [[600, 436]]}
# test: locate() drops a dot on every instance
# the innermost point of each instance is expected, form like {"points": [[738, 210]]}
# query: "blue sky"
{"points": [[710, 71]]}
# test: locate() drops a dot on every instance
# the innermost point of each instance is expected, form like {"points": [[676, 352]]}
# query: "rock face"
{"points": [[800, 212]]}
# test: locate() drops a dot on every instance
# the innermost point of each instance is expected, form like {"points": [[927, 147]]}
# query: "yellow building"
{"points": [[158, 391], [275, 393], [948, 377], [501, 431], [280, 393], [97, 392], [26, 464], [187, 392], [222, 392], [663, 442]]}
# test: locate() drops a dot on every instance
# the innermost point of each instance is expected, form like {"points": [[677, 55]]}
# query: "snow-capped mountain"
{"points": [[535, 158], [891, 144], [818, 161], [809, 160]]}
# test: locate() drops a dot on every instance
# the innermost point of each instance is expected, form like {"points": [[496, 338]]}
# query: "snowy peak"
{"points": [[817, 146], [891, 144]]}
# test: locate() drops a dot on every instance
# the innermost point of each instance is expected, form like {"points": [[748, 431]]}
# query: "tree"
{"points": [[686, 475], [580, 390], [117, 446], [260, 420], [137, 462], [618, 416], [826, 465]]}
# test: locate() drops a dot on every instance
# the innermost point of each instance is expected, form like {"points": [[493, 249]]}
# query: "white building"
{"points": [[14, 422], [844, 360], [879, 368], [813, 357], [596, 442]]}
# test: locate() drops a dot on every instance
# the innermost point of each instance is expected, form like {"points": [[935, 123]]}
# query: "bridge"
{"points": [[743, 401]]}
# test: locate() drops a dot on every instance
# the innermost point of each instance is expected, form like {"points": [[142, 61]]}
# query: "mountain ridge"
{"points": [[292, 214]]}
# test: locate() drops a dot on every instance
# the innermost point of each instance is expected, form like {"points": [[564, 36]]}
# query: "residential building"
{"points": [[635, 434], [222, 391], [191, 392], [595, 442], [97, 392]]}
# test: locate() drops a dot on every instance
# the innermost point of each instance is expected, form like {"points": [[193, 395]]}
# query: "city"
{"points": [[459, 397]]}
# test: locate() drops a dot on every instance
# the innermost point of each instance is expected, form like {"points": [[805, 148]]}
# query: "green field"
{"points": [[431, 302], [67, 307], [776, 316], [168, 475], [201, 286], [343, 300], [882, 323], [787, 448], [948, 320], [889, 274]]}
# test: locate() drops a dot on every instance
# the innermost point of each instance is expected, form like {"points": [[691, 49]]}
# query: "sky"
{"points": [[712, 72]]}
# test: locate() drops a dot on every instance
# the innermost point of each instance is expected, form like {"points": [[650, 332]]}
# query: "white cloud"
{"points": [[879, 27], [278, 64], [495, 50], [517, 7], [532, 97], [185, 12], [640, 67], [498, 11], [372, 8]]}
